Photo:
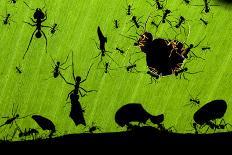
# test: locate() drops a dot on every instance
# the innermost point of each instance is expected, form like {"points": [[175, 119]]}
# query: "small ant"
{"points": [[6, 19], [204, 21], [120, 50], [11, 120], [54, 28], [103, 41], [158, 4], [135, 21], [194, 101], [153, 74], [129, 9], [116, 24], [57, 67], [206, 6], [93, 128], [13, 1], [18, 69]]}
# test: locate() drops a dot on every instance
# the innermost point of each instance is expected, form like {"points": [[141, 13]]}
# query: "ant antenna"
{"points": [[28, 5]]}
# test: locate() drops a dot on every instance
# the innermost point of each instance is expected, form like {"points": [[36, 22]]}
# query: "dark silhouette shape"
{"points": [[208, 113], [58, 67], [159, 6], [189, 49], [13, 1], [205, 48], [11, 120], [121, 51], [153, 75], [206, 6], [225, 1], [164, 19], [204, 21], [27, 132], [18, 69], [77, 81], [129, 9], [187, 2], [132, 67], [134, 112], [53, 28], [6, 19], [45, 124], [103, 41], [180, 22], [116, 24], [93, 128], [135, 22], [76, 113], [39, 17]]}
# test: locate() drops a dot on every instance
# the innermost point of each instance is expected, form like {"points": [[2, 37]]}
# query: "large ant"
{"points": [[39, 17]]}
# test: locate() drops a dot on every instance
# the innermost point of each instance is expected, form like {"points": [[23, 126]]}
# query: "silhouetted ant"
{"points": [[77, 81], [103, 41], [93, 128], [205, 48], [183, 70], [189, 49], [135, 22], [18, 69], [159, 6], [53, 28], [57, 67], [39, 17], [129, 9], [204, 21], [207, 115], [11, 120], [27, 132], [6, 19], [166, 13], [13, 1], [153, 74], [206, 6], [116, 24], [120, 50], [132, 67], [194, 101]]}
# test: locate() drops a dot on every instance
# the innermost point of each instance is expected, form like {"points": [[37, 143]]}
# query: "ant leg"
{"points": [[73, 74], [88, 91], [30, 24], [66, 80], [112, 59], [45, 40], [65, 67], [65, 60], [69, 94], [87, 74], [29, 43]]}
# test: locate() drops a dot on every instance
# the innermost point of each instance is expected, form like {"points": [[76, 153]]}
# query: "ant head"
{"points": [[8, 14], [78, 79], [58, 63], [134, 18], [39, 14], [191, 46], [17, 115], [38, 34]]}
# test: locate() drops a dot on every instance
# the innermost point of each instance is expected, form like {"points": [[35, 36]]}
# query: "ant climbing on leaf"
{"points": [[39, 17]]}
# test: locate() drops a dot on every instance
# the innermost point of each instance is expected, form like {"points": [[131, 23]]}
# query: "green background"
{"points": [[36, 92]]}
